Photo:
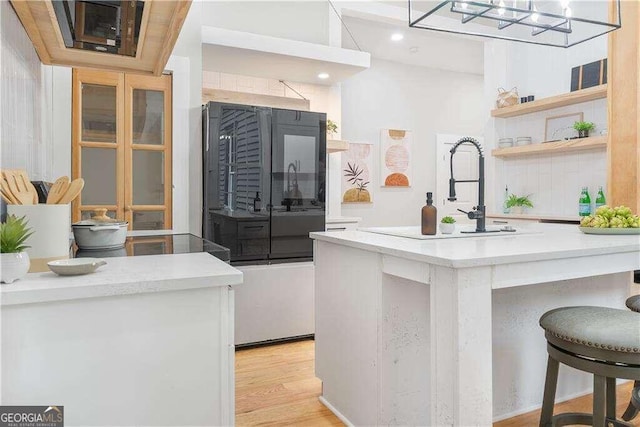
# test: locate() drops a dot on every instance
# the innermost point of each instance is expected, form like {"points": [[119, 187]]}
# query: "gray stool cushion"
{"points": [[634, 303], [599, 332]]}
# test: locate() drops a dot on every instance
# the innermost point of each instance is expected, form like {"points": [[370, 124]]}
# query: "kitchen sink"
{"points": [[414, 232]]}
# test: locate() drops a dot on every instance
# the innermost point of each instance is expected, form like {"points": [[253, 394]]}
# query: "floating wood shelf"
{"points": [[584, 95], [553, 147], [335, 145]]}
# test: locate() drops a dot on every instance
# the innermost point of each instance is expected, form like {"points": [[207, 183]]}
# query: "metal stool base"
{"points": [[604, 390]]}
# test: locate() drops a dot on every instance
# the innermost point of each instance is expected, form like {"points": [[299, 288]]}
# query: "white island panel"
{"points": [[445, 332]]}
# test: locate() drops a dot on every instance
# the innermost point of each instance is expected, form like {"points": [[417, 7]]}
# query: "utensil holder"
{"points": [[51, 225]]}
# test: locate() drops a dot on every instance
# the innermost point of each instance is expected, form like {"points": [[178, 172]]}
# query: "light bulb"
{"points": [[535, 15], [564, 3], [396, 37], [501, 10], [463, 4], [567, 12]]}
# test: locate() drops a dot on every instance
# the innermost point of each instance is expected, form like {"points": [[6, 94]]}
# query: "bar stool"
{"points": [[633, 303], [599, 340]]}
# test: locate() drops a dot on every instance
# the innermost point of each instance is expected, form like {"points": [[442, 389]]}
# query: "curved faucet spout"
{"points": [[478, 212]]}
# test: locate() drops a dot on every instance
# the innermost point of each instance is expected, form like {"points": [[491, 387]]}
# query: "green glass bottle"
{"points": [[600, 199], [584, 204]]}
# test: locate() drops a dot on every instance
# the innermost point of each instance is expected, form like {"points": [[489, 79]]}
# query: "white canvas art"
{"points": [[395, 158], [356, 168]]}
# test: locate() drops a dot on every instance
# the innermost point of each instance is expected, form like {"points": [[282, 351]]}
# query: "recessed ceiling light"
{"points": [[396, 37], [323, 76]]}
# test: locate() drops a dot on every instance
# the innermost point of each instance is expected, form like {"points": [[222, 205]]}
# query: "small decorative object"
{"points": [[356, 167], [332, 128], [75, 266], [561, 127], [14, 260], [516, 204], [395, 158], [583, 128], [530, 98], [523, 99], [589, 75], [507, 98], [523, 140], [447, 225], [505, 142]]}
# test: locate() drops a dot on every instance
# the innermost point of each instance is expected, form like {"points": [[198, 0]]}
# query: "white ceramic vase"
{"points": [[14, 266], [446, 228], [518, 210]]}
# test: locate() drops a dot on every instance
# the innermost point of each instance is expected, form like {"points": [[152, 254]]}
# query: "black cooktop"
{"points": [[158, 245]]}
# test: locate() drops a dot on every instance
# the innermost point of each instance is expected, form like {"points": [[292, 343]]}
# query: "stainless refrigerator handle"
{"points": [[206, 127]]}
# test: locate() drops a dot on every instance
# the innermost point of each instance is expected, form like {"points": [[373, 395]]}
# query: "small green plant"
{"points": [[332, 127], [13, 234], [448, 220], [514, 200], [584, 126]]}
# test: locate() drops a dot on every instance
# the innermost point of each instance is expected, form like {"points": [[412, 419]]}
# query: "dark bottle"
{"points": [[429, 217], [257, 203]]}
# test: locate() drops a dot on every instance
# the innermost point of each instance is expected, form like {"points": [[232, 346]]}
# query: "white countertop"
{"points": [[124, 276], [552, 241]]}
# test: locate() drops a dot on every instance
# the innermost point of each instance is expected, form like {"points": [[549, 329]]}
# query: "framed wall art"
{"points": [[356, 167], [395, 158]]}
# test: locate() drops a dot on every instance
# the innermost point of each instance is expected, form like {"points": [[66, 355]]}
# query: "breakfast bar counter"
{"points": [[144, 340], [445, 331]]}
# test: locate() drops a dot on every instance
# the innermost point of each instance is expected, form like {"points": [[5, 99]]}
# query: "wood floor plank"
{"points": [[276, 386]]}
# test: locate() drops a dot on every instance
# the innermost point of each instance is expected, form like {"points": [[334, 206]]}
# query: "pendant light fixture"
{"points": [[558, 23]]}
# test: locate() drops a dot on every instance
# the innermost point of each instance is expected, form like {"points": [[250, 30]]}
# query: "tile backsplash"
{"points": [[553, 181], [21, 85]]}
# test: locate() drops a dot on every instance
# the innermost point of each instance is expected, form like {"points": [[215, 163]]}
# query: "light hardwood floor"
{"points": [[276, 386]]}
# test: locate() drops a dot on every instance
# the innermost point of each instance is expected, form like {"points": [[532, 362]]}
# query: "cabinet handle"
{"points": [[336, 228], [501, 222], [253, 227]]}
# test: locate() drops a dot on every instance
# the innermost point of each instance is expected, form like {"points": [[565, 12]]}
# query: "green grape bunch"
{"points": [[608, 217]]}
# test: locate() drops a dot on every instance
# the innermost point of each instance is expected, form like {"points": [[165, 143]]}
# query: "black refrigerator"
{"points": [[264, 183]]}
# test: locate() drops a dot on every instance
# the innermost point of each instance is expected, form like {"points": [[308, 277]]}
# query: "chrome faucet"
{"points": [[479, 212]]}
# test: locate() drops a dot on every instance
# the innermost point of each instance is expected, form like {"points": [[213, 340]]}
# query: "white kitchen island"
{"points": [[445, 331], [143, 341]]}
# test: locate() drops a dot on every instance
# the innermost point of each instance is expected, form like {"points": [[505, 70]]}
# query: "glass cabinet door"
{"points": [[148, 152], [98, 152], [122, 147]]}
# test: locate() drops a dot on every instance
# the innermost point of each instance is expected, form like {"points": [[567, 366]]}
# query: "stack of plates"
{"points": [[505, 142], [523, 140]]}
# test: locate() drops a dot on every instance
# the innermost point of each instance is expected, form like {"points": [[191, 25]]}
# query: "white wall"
{"points": [[21, 88], [187, 55], [306, 21], [546, 71], [554, 181], [426, 101]]}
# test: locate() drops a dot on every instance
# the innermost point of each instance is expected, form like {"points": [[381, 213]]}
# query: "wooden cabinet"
{"points": [[122, 147]]}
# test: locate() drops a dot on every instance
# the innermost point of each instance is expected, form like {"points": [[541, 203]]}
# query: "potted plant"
{"points": [[332, 128], [516, 204], [447, 225], [583, 128], [14, 260]]}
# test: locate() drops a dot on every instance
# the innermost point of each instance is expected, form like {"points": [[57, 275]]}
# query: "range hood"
{"points": [[130, 36], [108, 26]]}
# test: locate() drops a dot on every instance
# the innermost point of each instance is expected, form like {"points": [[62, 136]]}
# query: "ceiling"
{"points": [[418, 47]]}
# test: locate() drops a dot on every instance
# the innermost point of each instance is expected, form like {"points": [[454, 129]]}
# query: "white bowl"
{"points": [[75, 266]]}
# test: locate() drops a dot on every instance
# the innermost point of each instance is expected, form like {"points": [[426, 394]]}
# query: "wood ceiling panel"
{"points": [[161, 24]]}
